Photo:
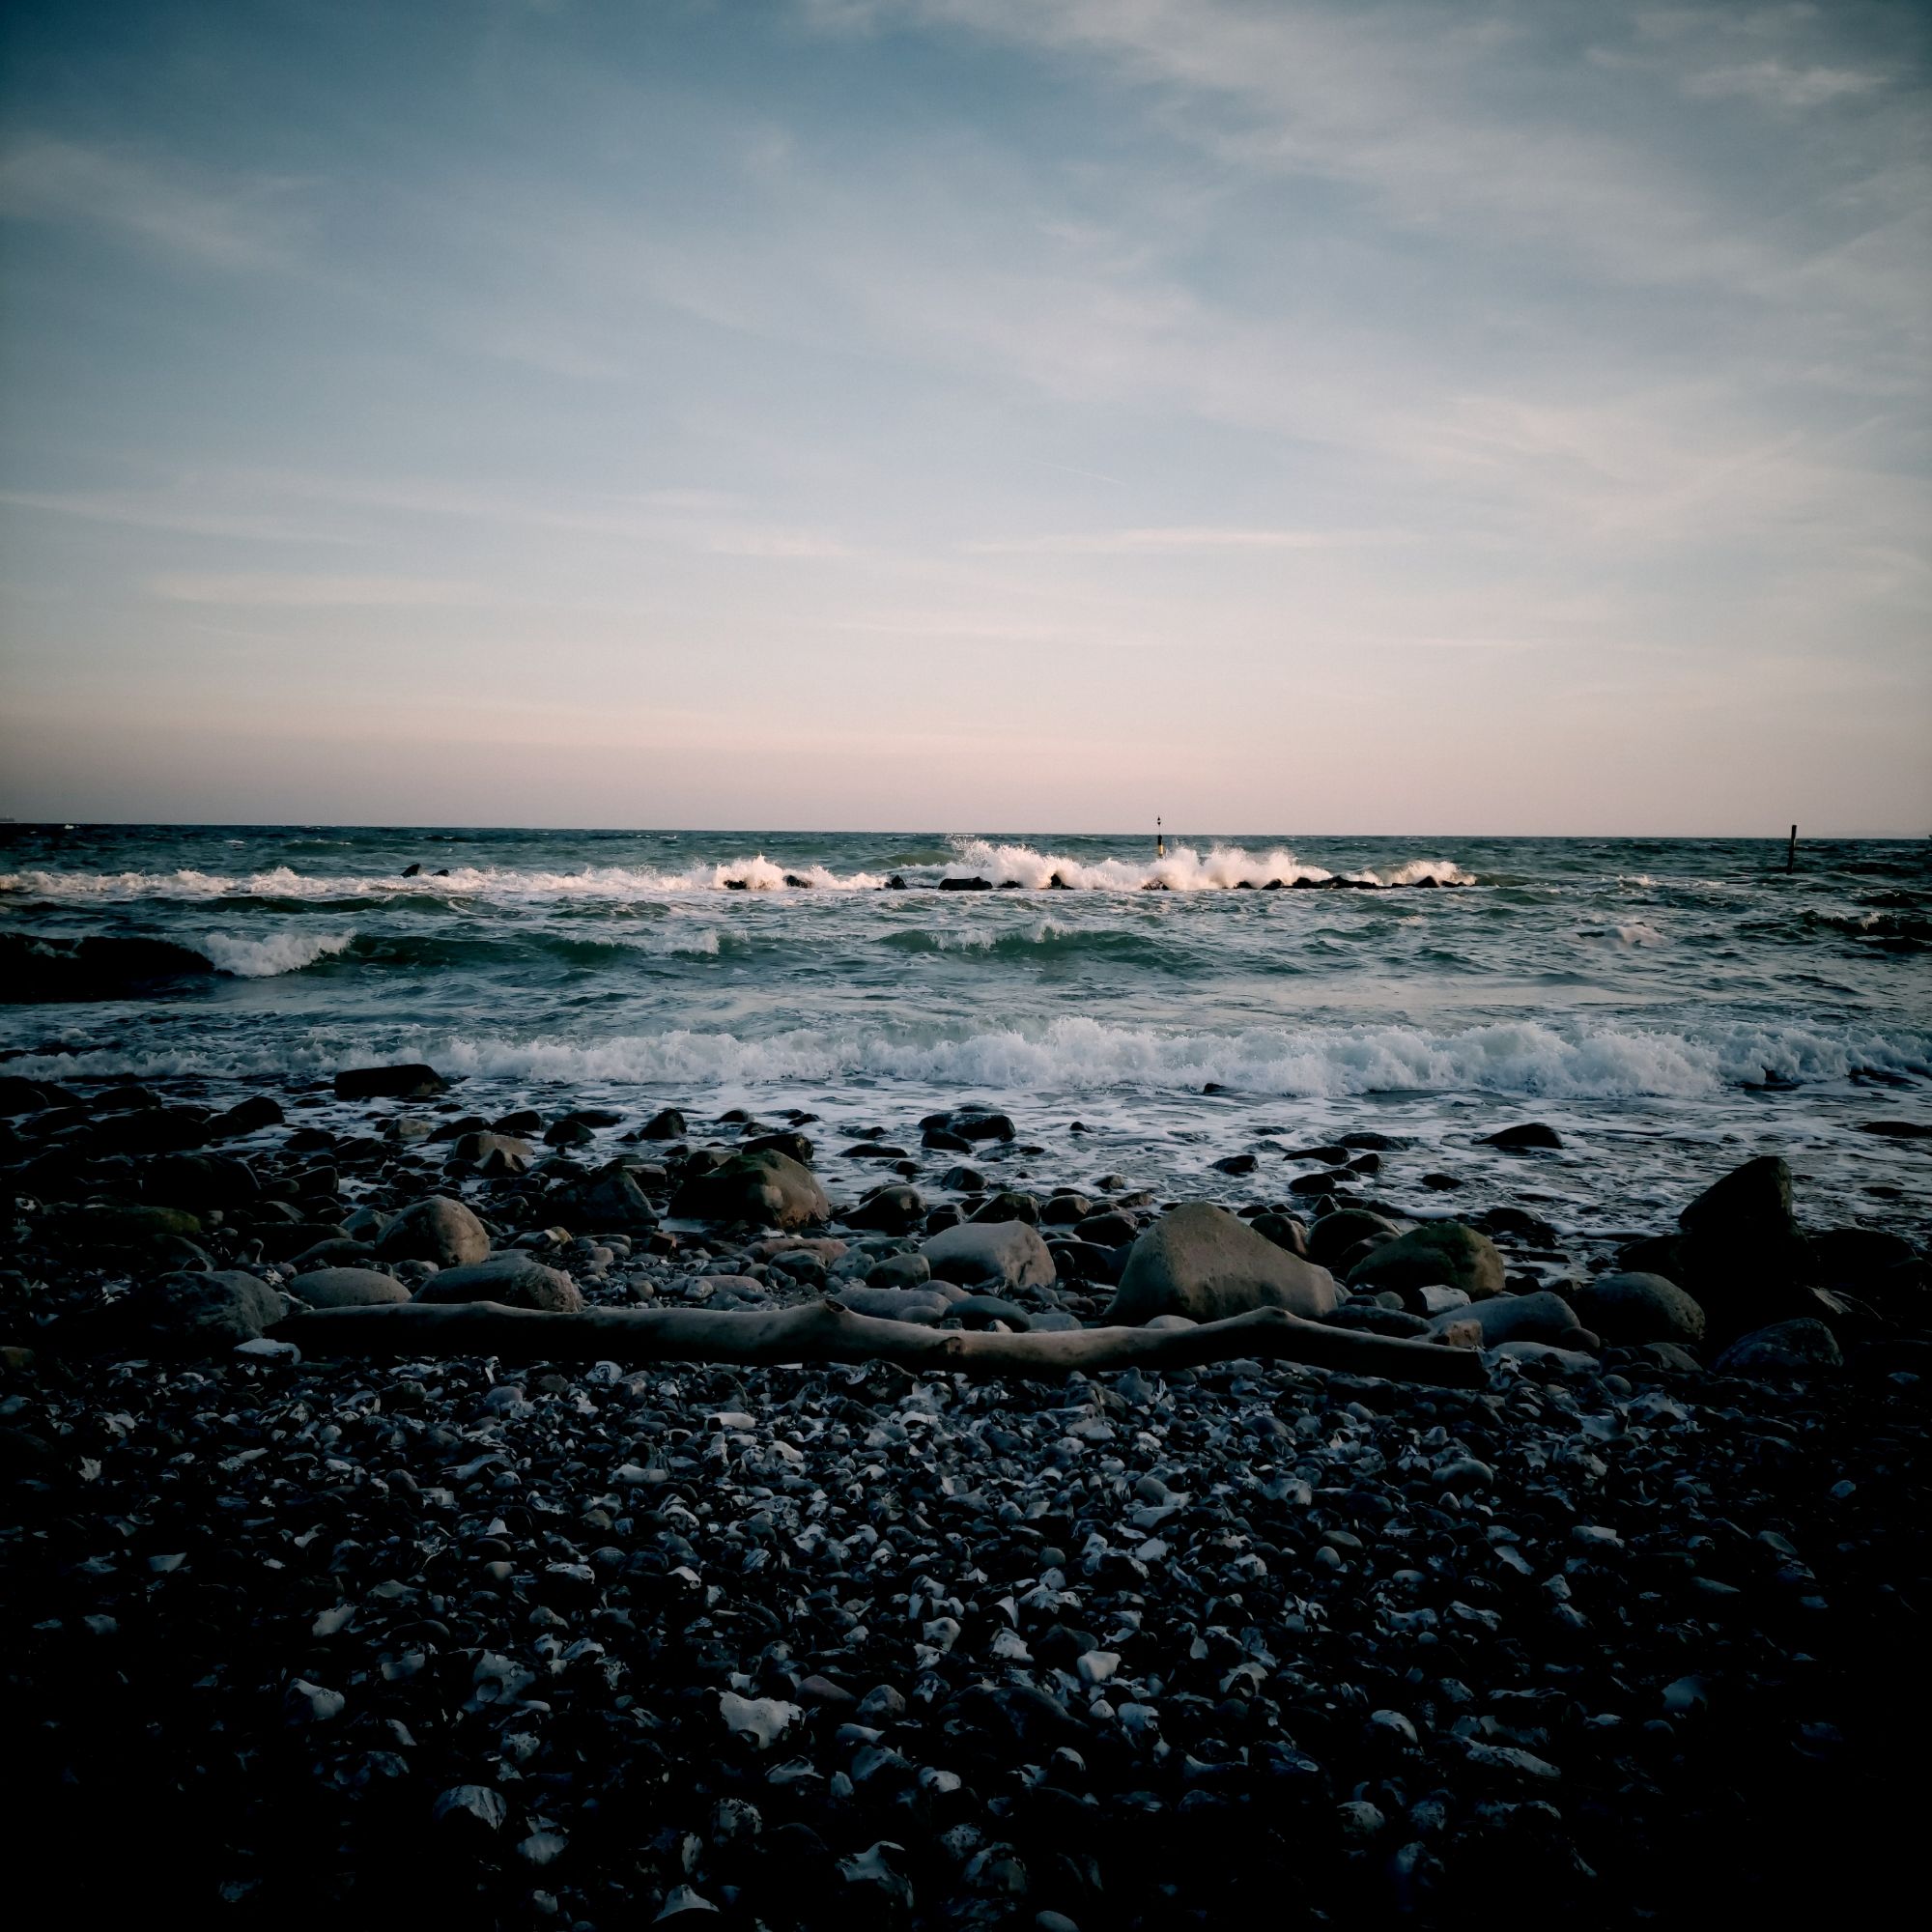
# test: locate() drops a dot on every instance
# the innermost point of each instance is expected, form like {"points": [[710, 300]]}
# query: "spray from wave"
{"points": [[273, 955], [1222, 868]]}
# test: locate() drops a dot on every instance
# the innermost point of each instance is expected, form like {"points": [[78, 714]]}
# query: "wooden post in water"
{"points": [[1791, 852]]}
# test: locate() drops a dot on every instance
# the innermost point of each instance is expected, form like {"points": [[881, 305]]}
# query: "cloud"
{"points": [[159, 202], [307, 592], [1175, 541], [1773, 84]]}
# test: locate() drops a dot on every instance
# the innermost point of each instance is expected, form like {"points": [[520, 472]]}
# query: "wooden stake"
{"points": [[1791, 852], [826, 1331]]}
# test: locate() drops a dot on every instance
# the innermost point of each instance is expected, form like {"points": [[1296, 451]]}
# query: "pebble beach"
{"points": [[1627, 1630]]}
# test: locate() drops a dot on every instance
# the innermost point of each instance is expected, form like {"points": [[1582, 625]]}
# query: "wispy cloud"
{"points": [[308, 592], [220, 223], [1179, 540]]}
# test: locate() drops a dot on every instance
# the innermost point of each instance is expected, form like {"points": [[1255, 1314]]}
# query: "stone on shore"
{"points": [[1799, 1348], [436, 1230], [1202, 1262], [756, 1190], [982, 1253], [1438, 1254], [413, 1081], [346, 1288], [514, 1280], [609, 1201], [1744, 1254], [204, 1313], [1635, 1308], [1542, 1316]]}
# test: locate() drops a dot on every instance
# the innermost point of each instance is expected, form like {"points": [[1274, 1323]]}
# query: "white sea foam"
{"points": [[273, 954], [1639, 932], [1183, 870], [1079, 1055]]}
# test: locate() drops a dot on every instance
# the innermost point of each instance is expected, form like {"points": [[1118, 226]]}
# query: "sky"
{"points": [[967, 413]]}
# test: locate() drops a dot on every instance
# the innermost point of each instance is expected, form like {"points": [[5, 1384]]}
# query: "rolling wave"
{"points": [[1079, 1055]]}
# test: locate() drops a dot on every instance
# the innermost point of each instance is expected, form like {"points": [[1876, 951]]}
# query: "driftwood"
{"points": [[825, 1331]]}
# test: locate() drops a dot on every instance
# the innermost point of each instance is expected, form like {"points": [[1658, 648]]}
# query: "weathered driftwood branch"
{"points": [[824, 1331]]}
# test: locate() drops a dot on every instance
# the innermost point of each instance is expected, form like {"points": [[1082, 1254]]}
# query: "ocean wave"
{"points": [[1222, 867], [1079, 1055], [273, 954]]}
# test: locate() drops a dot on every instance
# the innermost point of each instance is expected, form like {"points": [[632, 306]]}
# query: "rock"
{"points": [[900, 1271], [972, 885], [514, 1280], [1008, 1253], [245, 1117], [760, 1190], [1108, 1230], [1898, 1130], [436, 1230], [1010, 1205], [478, 1148], [411, 1082], [1237, 1163], [1447, 1254], [1514, 1318], [891, 1210], [1798, 1348], [1202, 1262], [1285, 1231], [204, 1313], [788, 1141], [977, 1311], [1846, 1256], [762, 1719], [1743, 1251], [609, 1201], [665, 1124], [346, 1288], [1334, 1234], [121, 1226], [973, 1123], [1639, 1308], [1521, 1140], [896, 1304]]}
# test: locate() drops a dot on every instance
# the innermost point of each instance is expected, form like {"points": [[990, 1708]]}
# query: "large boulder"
{"points": [[608, 1201], [977, 1254], [1799, 1347], [1438, 1254], [202, 1314], [436, 1230], [1636, 1308], [1745, 1257], [346, 1288], [1204, 1263], [756, 1190], [513, 1280]]}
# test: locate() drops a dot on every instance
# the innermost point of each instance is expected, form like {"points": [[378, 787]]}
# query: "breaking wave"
{"points": [[1079, 1055], [1222, 867], [273, 954]]}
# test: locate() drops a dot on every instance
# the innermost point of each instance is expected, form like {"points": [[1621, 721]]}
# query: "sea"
{"points": [[1670, 1006]]}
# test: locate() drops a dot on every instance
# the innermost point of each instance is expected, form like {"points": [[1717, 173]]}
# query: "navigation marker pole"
{"points": [[1160, 840], [1791, 852]]}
